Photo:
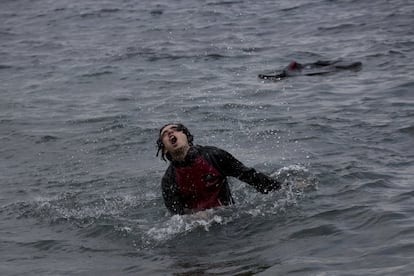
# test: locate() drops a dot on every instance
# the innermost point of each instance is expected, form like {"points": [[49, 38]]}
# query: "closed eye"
{"points": [[175, 128]]}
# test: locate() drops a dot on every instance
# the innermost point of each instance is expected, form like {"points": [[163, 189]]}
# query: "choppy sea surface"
{"points": [[85, 86]]}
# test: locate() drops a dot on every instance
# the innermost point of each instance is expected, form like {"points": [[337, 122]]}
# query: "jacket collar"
{"points": [[189, 158]]}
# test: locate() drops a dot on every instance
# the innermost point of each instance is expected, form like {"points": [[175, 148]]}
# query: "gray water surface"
{"points": [[85, 86]]}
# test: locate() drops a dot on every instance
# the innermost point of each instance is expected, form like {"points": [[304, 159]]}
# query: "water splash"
{"points": [[296, 182], [143, 220], [181, 224], [79, 209], [296, 178]]}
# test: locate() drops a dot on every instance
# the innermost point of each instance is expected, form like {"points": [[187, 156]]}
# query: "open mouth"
{"points": [[173, 140]]}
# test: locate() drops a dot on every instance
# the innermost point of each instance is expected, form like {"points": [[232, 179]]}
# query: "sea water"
{"points": [[86, 85]]}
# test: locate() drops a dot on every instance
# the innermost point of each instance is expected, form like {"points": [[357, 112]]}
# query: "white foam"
{"points": [[179, 224]]}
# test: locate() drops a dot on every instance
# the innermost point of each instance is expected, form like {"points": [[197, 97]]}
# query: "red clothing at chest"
{"points": [[199, 184]]}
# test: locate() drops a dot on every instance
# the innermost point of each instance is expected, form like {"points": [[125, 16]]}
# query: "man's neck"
{"points": [[181, 153]]}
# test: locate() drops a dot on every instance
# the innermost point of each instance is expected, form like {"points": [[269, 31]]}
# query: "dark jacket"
{"points": [[200, 181]]}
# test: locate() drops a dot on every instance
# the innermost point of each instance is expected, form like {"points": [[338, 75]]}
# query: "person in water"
{"points": [[196, 178], [320, 67]]}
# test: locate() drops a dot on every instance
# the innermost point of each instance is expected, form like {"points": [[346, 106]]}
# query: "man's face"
{"points": [[173, 138]]}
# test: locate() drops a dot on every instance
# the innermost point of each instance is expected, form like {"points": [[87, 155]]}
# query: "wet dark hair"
{"points": [[160, 145]]}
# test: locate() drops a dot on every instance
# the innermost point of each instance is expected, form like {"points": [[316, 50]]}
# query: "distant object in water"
{"points": [[320, 67]]}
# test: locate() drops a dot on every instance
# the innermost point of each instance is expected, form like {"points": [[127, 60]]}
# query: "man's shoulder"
{"points": [[168, 172], [209, 149], [213, 153]]}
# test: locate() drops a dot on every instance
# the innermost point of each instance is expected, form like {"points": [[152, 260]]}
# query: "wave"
{"points": [[321, 230], [223, 3], [97, 119], [5, 66], [340, 27], [96, 74], [142, 220], [98, 12]]}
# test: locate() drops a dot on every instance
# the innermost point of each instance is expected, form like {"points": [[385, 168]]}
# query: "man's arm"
{"points": [[230, 166], [170, 193]]}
